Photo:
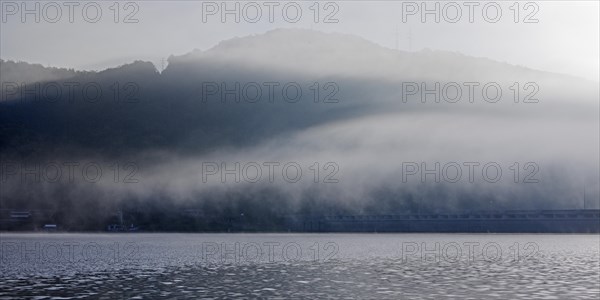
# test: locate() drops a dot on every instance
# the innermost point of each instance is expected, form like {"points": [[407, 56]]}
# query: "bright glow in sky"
{"points": [[564, 40]]}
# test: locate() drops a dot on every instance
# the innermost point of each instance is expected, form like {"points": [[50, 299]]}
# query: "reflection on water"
{"points": [[389, 266]]}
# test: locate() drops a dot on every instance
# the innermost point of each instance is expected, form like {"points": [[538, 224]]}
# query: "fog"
{"points": [[372, 130]]}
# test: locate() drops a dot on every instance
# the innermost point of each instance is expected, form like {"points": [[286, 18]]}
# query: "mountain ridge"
{"points": [[306, 44]]}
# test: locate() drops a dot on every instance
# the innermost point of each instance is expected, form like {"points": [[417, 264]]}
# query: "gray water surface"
{"points": [[310, 266]]}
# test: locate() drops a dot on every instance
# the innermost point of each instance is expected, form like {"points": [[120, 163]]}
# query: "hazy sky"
{"points": [[565, 39]]}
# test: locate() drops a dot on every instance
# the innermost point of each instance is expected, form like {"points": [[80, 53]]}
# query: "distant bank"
{"points": [[509, 221], [512, 221]]}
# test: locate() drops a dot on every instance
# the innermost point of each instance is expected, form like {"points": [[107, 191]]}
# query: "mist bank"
{"points": [[225, 131]]}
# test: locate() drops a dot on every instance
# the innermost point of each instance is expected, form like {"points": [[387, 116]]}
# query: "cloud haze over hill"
{"points": [[373, 130]]}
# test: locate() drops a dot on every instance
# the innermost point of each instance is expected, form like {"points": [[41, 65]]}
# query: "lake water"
{"points": [[309, 266]]}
